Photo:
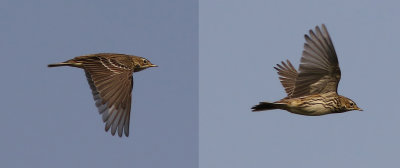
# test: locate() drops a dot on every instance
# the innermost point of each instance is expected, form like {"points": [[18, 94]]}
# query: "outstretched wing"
{"points": [[319, 70], [287, 76], [111, 86]]}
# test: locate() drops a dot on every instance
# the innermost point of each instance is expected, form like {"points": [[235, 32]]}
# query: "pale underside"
{"points": [[312, 105]]}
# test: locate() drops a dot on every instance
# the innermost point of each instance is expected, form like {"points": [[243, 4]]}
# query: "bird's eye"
{"points": [[145, 61], [351, 104]]}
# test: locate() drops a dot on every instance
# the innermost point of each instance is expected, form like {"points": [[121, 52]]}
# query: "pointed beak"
{"points": [[152, 65], [359, 109]]}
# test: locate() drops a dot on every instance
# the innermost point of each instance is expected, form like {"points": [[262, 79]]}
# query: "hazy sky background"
{"points": [[48, 115], [241, 41], [50, 120]]}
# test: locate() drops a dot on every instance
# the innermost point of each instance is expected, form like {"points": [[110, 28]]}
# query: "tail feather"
{"points": [[66, 63], [59, 64], [265, 106]]}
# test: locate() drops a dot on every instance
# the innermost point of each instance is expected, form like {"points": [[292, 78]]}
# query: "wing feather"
{"points": [[112, 89], [319, 70], [287, 75]]}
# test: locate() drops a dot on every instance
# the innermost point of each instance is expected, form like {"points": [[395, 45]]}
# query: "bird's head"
{"points": [[348, 104], [143, 63]]}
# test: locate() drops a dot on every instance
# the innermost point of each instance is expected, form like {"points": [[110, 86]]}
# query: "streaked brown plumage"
{"points": [[110, 78], [313, 90]]}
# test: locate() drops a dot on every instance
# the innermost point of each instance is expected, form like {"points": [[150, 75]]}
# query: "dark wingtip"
{"points": [[126, 131]]}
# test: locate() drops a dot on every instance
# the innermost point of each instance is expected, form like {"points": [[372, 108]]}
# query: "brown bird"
{"points": [[313, 90], [110, 78]]}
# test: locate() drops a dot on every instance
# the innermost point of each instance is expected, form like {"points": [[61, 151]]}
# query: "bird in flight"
{"points": [[110, 77], [312, 90]]}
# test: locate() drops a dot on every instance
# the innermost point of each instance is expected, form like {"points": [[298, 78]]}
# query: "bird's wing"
{"points": [[287, 76], [319, 70], [111, 86]]}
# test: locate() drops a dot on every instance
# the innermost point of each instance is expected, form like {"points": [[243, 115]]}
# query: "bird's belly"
{"points": [[314, 110]]}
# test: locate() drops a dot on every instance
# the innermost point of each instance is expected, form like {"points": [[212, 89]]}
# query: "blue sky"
{"points": [[50, 120], [48, 115], [241, 41]]}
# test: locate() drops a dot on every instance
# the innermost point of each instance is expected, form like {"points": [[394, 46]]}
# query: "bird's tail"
{"points": [[59, 64], [66, 63], [266, 106]]}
